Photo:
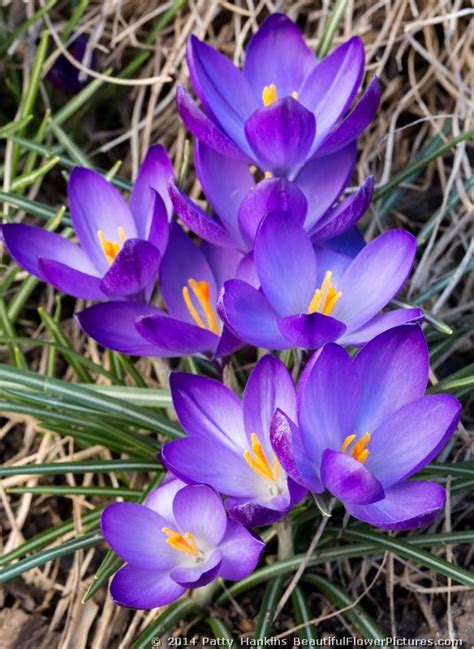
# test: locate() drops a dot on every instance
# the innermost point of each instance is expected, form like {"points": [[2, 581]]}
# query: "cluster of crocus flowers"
{"points": [[280, 265]]}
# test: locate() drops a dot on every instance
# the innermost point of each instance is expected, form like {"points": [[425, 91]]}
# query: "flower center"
{"points": [[325, 298], [112, 248], [270, 94], [258, 462], [181, 542], [359, 451], [201, 292]]}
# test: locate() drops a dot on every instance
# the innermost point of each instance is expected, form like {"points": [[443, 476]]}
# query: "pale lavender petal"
{"points": [[224, 262], [348, 479], [269, 387], [330, 88], [407, 505], [277, 54], [411, 437], [97, 206], [200, 574], [143, 589], [281, 135], [70, 281], [375, 277], [286, 264], [379, 324], [207, 408], [161, 498], [241, 552], [134, 532], [199, 510], [393, 369], [177, 337], [159, 228]]}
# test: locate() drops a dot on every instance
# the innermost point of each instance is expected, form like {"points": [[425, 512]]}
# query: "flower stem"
{"points": [[204, 595], [285, 539]]}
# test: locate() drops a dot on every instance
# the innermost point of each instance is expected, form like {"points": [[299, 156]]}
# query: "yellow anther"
{"points": [[183, 543], [325, 298], [259, 462], [269, 94], [112, 248], [359, 451], [268, 174], [295, 95], [201, 291]]}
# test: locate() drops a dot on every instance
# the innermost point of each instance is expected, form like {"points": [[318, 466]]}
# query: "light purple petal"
{"points": [[160, 500], [247, 271], [159, 229], [222, 89], [250, 316], [241, 552], [143, 589], [252, 514], [27, 244], [379, 324], [272, 195], [412, 436], [97, 206], [328, 402], [310, 330], [224, 262], [281, 135], [207, 408], [199, 510], [277, 54], [349, 480], [198, 221], [288, 446], [225, 182], [228, 343], [70, 281], [323, 181], [374, 277], [356, 122], [345, 214], [330, 88], [183, 261], [393, 371], [134, 532], [153, 178], [134, 269], [286, 264], [407, 505], [203, 128], [205, 460], [112, 325], [269, 387], [199, 574], [177, 337]]}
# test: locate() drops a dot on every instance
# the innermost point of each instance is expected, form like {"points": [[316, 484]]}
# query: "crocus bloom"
{"points": [[365, 426], [190, 280], [310, 297], [241, 204], [228, 444], [64, 75], [120, 245], [285, 106], [181, 538]]}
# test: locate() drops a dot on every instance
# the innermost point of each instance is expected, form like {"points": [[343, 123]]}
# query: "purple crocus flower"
{"points": [[365, 426], [191, 278], [241, 204], [228, 445], [181, 538], [120, 245], [285, 106], [310, 297], [64, 75]]}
